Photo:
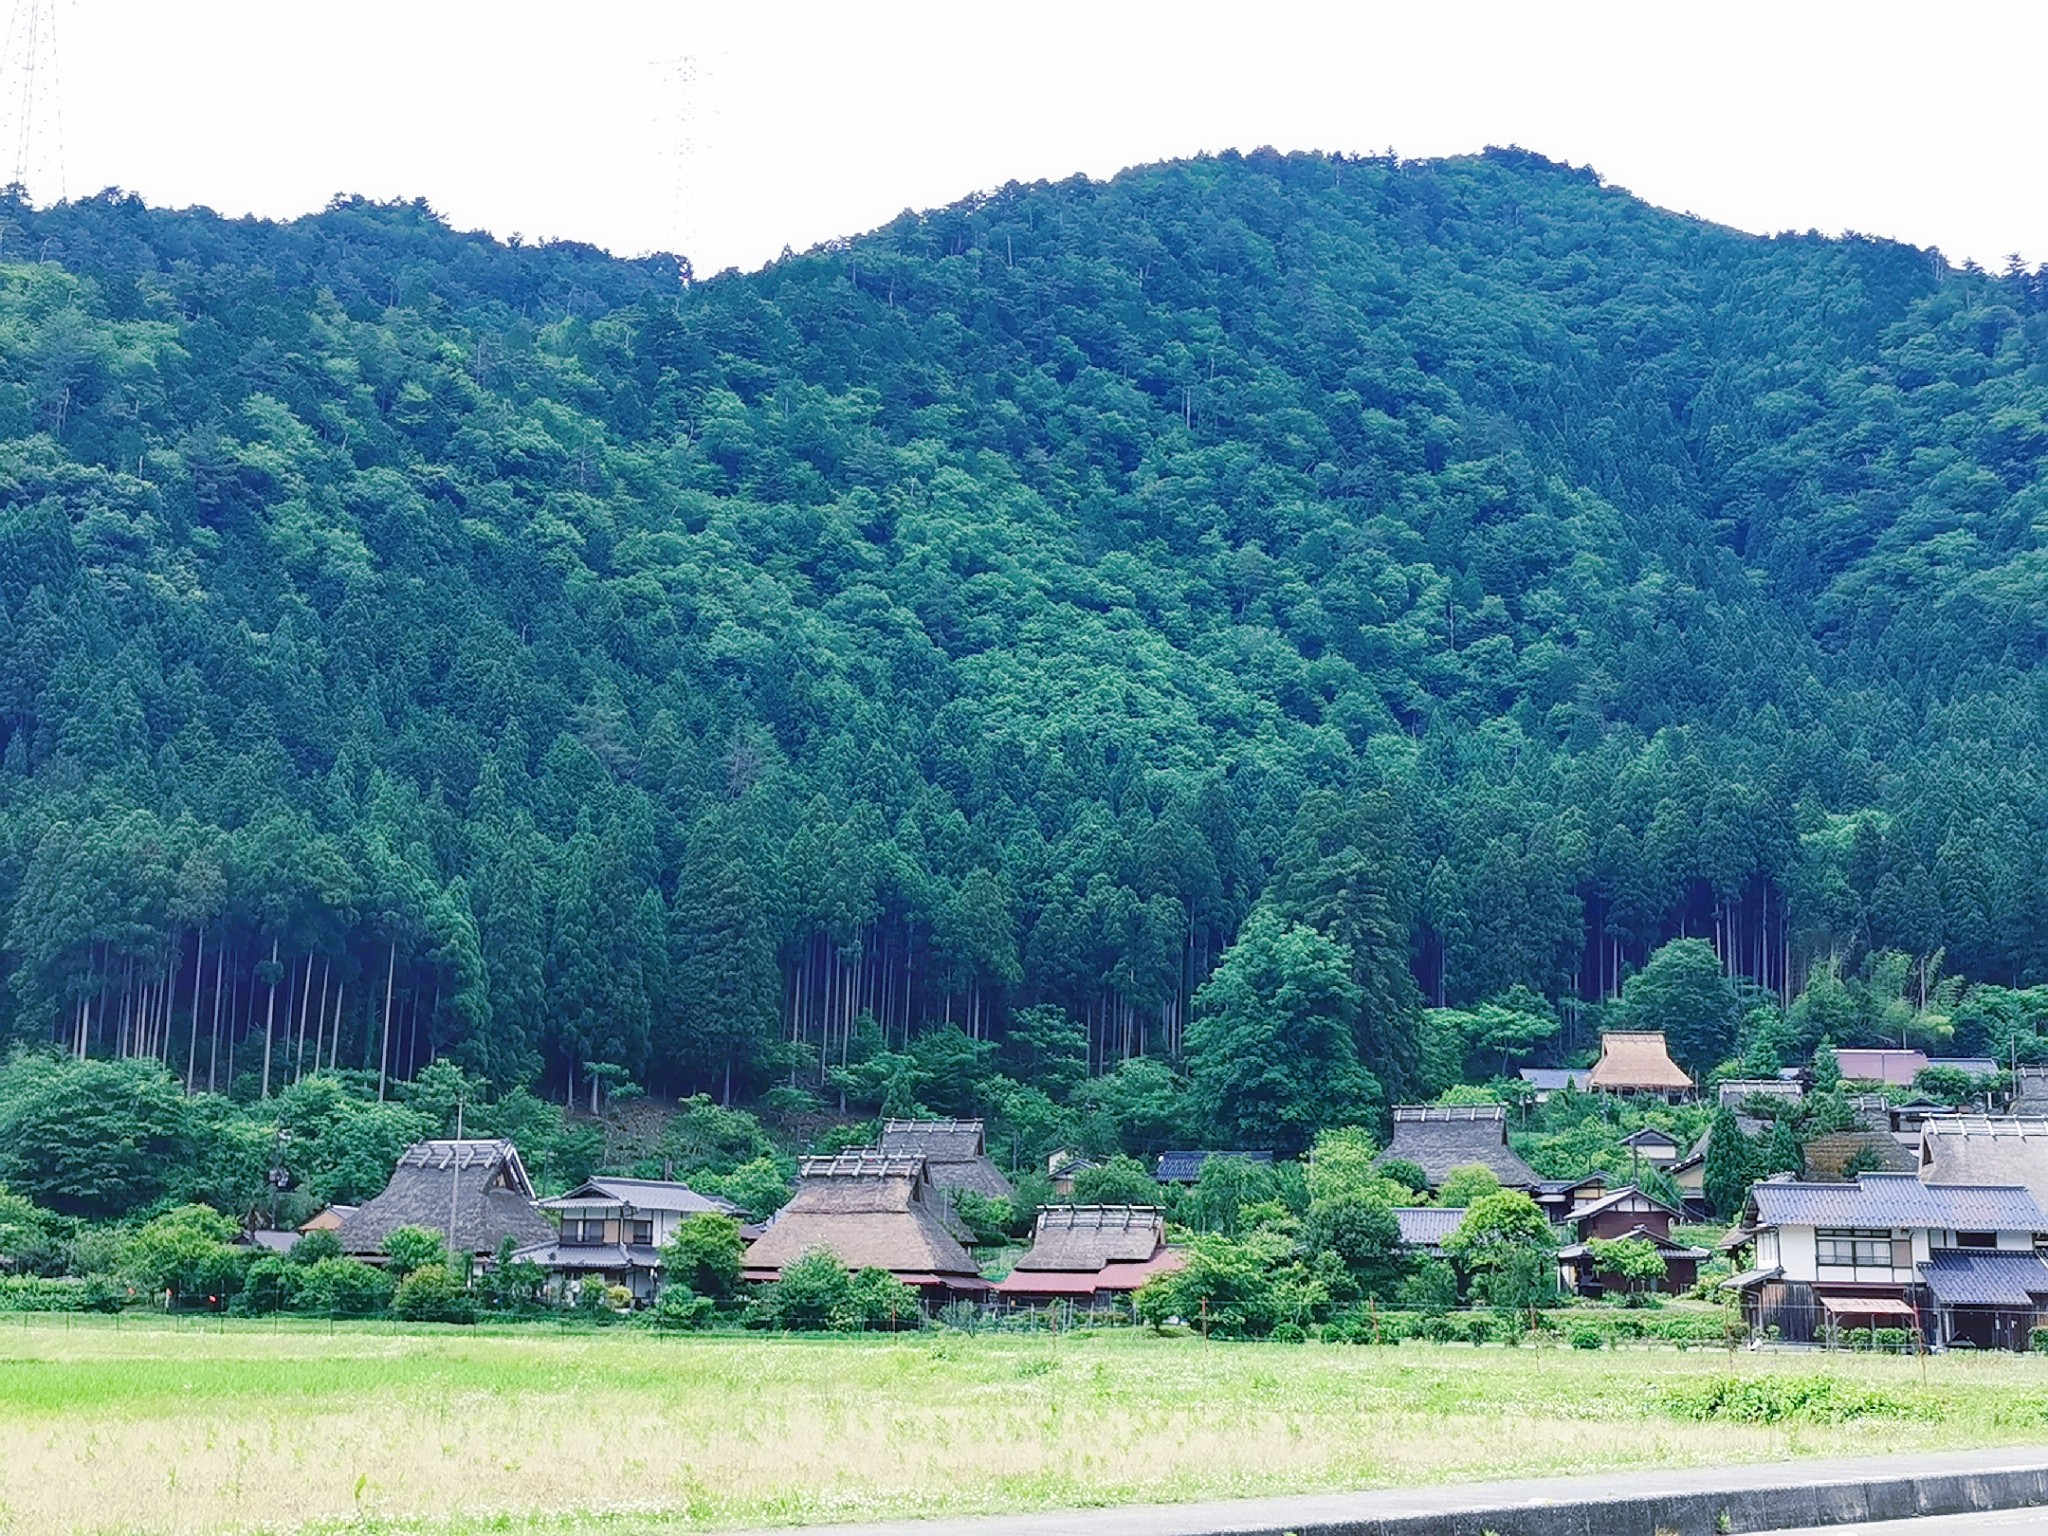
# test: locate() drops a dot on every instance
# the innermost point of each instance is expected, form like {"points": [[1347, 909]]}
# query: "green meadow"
{"points": [[145, 1426]]}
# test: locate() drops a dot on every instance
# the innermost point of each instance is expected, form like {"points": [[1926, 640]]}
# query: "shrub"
{"points": [[2039, 1339], [679, 1310], [271, 1285], [1584, 1336], [33, 1293], [1478, 1329], [432, 1294], [1432, 1289], [703, 1255], [1788, 1399], [1890, 1341], [1288, 1333], [188, 1254], [344, 1288], [876, 1299]]}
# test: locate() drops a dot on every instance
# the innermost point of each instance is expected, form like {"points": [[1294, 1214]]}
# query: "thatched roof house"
{"points": [[955, 1153], [869, 1210], [1091, 1253], [1637, 1061], [474, 1193], [1977, 1149], [1839, 1156], [1440, 1137]]}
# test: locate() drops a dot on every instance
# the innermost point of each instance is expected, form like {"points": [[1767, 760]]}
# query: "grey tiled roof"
{"points": [[1899, 1200], [1186, 1167], [1985, 1279], [643, 1195], [1426, 1226]]}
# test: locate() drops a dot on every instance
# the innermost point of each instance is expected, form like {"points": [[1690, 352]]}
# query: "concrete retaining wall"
{"points": [[1710, 1512]]}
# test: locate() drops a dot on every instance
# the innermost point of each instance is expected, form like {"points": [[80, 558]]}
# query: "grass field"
{"points": [[152, 1428]]}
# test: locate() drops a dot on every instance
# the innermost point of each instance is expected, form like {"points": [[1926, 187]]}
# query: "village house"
{"points": [[1841, 1155], [1655, 1147], [1638, 1062], [474, 1193], [1558, 1198], [1440, 1137], [613, 1230], [1955, 1262], [1186, 1167], [1626, 1213], [869, 1210], [1063, 1167], [1090, 1255], [955, 1153]]}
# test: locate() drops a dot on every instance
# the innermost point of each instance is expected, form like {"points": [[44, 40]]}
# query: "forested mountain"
{"points": [[1455, 576]]}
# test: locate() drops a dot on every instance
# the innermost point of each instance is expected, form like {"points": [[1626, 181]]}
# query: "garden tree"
{"points": [[1827, 1068], [1274, 1059], [1226, 1287], [1729, 1169], [1633, 1260], [188, 1255], [1685, 992], [1118, 1180], [704, 1254], [1408, 1176], [1498, 1232], [509, 1284], [1782, 1154], [1467, 1186], [1223, 1192], [411, 1248], [1361, 1231], [1496, 1034]]}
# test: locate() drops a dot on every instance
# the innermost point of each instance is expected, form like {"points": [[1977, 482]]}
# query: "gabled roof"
{"points": [[1437, 1138], [1667, 1247], [1976, 1278], [869, 1211], [1897, 1200], [1086, 1237], [955, 1150], [478, 1190], [1897, 1068], [1621, 1199], [1186, 1167], [1978, 1149], [1650, 1136], [1426, 1226], [642, 1195], [1636, 1061]]}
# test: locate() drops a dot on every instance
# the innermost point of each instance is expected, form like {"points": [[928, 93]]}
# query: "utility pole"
{"points": [[31, 101]]}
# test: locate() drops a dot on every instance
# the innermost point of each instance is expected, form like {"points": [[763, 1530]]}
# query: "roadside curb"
{"points": [[1776, 1496]]}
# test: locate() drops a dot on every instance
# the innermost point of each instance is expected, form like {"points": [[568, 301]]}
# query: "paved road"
{"points": [[1444, 1505], [2011, 1522]]}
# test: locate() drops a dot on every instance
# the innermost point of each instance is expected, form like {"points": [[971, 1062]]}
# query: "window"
{"points": [[1976, 1239], [643, 1232], [1846, 1247]]}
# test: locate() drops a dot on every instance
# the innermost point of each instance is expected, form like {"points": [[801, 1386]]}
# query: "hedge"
{"points": [[32, 1293]]}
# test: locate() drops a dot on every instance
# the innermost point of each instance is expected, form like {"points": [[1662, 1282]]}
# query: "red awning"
{"points": [[1866, 1306]]}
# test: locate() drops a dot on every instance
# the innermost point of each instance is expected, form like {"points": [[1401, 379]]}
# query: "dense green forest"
{"points": [[1234, 644]]}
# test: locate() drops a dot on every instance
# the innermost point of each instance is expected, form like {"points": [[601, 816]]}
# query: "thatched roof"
{"points": [[1976, 1149], [869, 1210], [478, 1190], [1077, 1237], [1829, 1157], [1636, 1061], [955, 1150], [1437, 1138]]}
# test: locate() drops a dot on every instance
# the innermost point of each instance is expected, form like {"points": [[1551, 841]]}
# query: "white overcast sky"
{"points": [[727, 131]]}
